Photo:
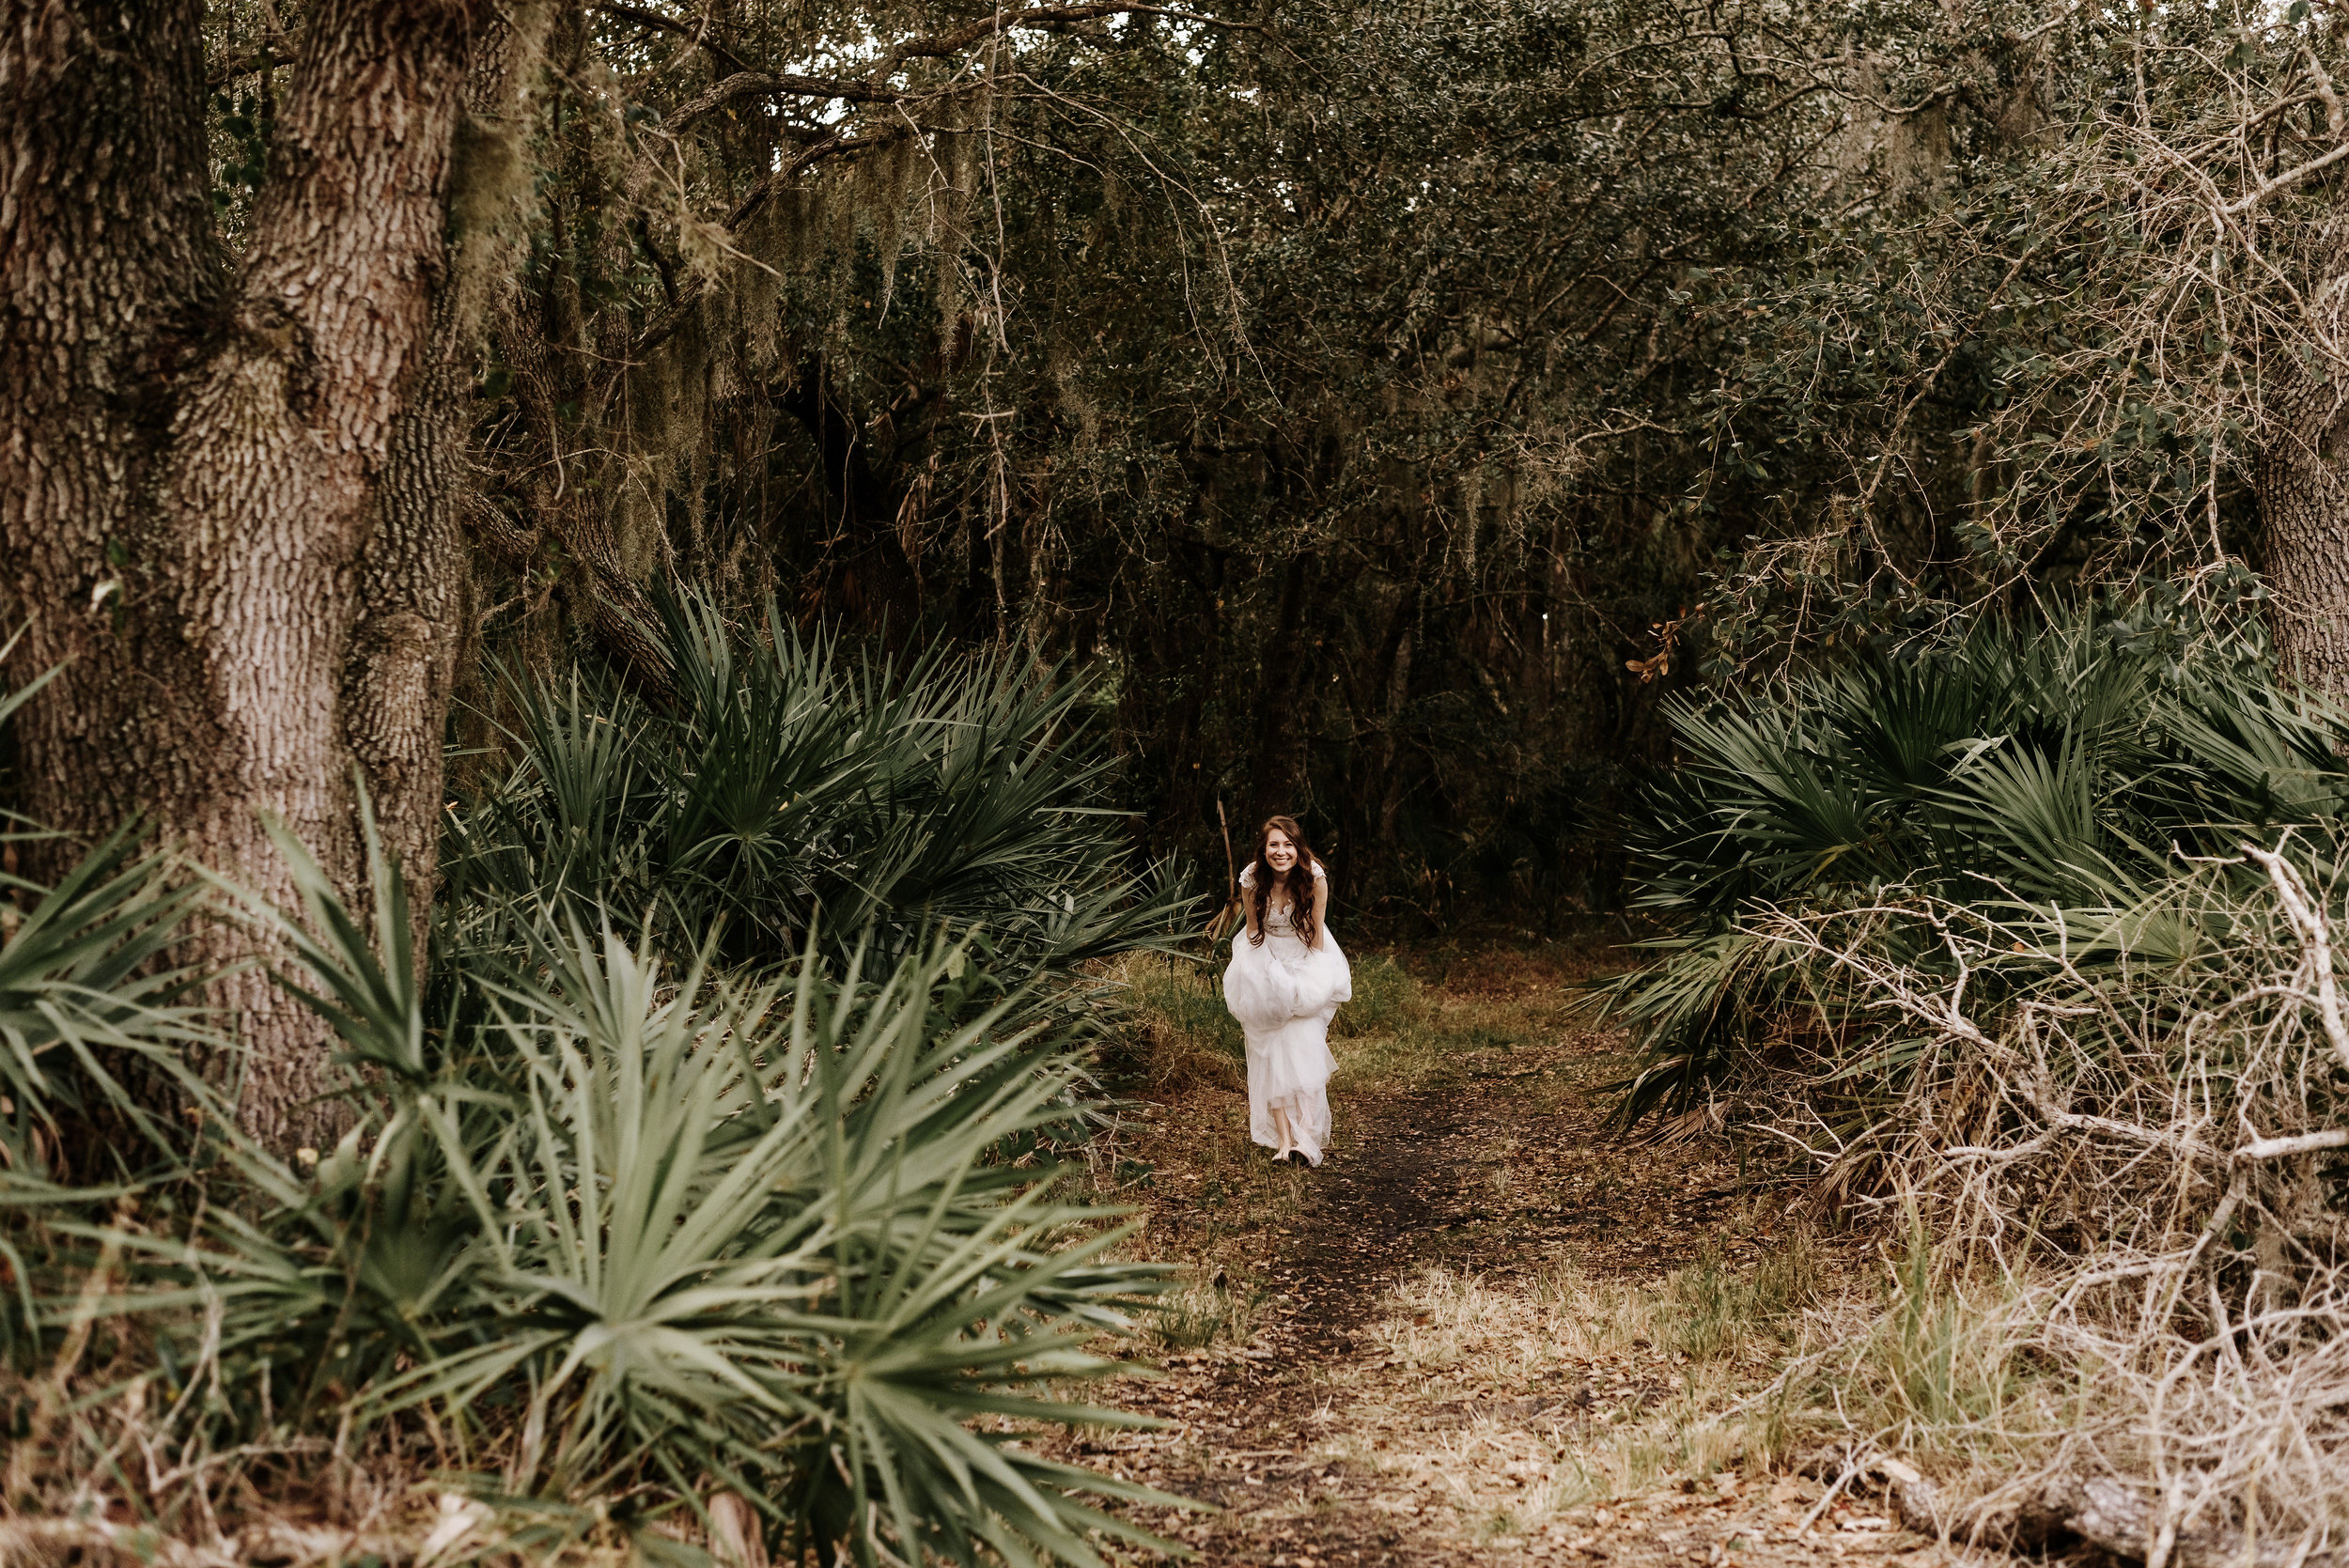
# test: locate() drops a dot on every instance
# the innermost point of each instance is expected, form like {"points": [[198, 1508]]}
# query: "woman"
{"points": [[1283, 984]]}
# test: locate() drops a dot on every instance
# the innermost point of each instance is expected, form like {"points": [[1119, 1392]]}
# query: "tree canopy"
{"points": [[1391, 400]]}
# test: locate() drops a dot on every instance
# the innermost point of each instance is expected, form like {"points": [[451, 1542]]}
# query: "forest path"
{"points": [[1447, 1345]]}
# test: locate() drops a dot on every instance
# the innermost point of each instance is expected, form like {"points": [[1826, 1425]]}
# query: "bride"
{"points": [[1283, 984]]}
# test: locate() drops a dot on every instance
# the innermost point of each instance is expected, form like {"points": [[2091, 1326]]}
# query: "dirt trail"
{"points": [[1324, 1439]]}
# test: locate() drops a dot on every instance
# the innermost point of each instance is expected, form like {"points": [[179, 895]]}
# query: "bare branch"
{"points": [[2293, 895], [2288, 178]]}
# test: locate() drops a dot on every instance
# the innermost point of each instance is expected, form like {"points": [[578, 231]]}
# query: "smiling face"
{"points": [[1279, 852]]}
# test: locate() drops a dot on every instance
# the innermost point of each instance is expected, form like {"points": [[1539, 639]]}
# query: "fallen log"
{"points": [[2101, 1511]]}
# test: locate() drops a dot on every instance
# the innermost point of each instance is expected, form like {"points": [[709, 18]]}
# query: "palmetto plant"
{"points": [[789, 778], [92, 1025], [659, 1190], [2063, 766], [653, 1234], [84, 994]]}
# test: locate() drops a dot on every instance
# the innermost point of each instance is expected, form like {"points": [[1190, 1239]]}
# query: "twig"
{"points": [[2292, 893]]}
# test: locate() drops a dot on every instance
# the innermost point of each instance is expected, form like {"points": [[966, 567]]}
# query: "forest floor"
{"points": [[1490, 1328]]}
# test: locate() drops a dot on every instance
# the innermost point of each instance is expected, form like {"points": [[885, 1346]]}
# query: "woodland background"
{"points": [[1365, 390], [625, 616], [1362, 390]]}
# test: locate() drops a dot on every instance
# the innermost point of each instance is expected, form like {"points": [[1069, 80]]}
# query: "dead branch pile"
{"points": [[2116, 1140]]}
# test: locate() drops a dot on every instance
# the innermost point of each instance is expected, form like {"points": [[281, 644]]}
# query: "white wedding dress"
{"points": [[1284, 994]]}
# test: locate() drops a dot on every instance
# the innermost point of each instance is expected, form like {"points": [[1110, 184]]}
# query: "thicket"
{"points": [[2021, 944], [2000, 861], [790, 789], [2081, 764], [1394, 403], [1321, 373], [704, 1198]]}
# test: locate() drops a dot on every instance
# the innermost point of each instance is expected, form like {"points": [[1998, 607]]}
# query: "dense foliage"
{"points": [[1374, 394], [617, 1241], [2027, 942], [1314, 371], [788, 787], [2078, 768]]}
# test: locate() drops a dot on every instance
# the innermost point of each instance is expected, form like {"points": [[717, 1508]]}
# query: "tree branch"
{"points": [[698, 38], [2290, 177]]}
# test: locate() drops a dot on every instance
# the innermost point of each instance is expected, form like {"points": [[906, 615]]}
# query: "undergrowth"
{"points": [[2026, 949], [649, 1238]]}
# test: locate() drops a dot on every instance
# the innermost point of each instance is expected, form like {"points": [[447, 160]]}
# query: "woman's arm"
{"points": [[1248, 900], [1321, 912]]}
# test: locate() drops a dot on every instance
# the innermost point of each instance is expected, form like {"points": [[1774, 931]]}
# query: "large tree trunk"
{"points": [[2302, 480], [410, 635], [195, 449]]}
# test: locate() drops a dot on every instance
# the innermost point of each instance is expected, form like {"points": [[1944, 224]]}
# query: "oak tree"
{"points": [[225, 499]]}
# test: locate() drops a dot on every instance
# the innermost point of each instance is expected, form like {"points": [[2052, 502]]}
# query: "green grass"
{"points": [[1205, 1314], [1186, 1000], [1714, 1308], [1387, 1000], [1942, 1367], [1179, 1032]]}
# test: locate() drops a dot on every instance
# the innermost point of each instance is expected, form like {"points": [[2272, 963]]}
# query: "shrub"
{"points": [[2122, 1297], [2064, 766], [614, 1236], [791, 788], [2033, 938]]}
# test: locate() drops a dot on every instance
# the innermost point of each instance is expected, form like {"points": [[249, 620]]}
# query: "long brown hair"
{"points": [[1300, 893]]}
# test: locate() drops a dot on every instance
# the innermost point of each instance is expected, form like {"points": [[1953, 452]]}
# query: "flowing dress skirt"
{"points": [[1285, 995]]}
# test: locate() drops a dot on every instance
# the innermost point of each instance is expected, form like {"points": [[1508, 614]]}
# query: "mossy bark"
{"points": [[2302, 483], [209, 462]]}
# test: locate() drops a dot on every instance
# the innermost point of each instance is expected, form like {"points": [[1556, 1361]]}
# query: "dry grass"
{"points": [[348, 1514], [1529, 1420], [2123, 1299], [1572, 1392]]}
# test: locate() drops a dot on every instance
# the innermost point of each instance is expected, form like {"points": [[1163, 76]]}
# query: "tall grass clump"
{"points": [[1387, 999], [1716, 1308], [1179, 1032]]}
